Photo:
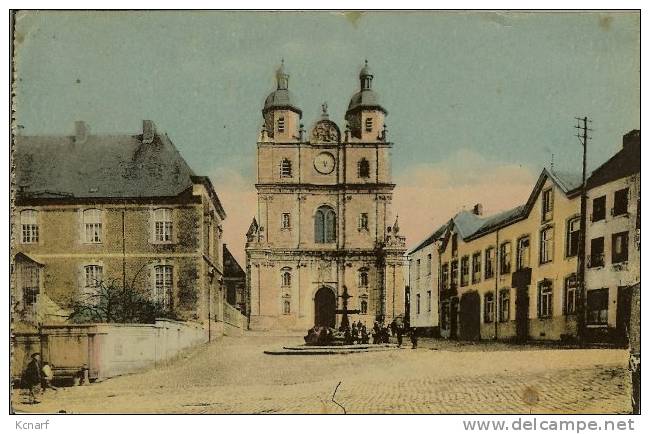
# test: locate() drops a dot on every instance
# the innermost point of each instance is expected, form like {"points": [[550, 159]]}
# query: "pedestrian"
{"points": [[414, 338], [393, 327], [48, 376], [399, 332], [32, 377], [354, 333], [364, 335], [347, 336]]}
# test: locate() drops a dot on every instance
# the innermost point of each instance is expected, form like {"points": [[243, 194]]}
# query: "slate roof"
{"points": [[438, 233], [231, 267], [366, 98], [102, 166]]}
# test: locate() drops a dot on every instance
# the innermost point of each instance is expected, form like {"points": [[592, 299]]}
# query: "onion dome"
{"points": [[281, 98], [366, 98]]}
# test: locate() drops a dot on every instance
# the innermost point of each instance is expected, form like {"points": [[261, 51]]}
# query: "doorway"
{"points": [[325, 308]]}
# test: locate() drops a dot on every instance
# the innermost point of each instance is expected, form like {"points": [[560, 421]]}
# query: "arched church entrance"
{"points": [[325, 308]]}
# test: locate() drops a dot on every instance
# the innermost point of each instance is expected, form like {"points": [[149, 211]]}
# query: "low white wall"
{"points": [[119, 349]]}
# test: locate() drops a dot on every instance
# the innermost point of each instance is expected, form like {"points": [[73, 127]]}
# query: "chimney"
{"points": [[632, 138], [478, 209], [148, 132], [80, 132]]}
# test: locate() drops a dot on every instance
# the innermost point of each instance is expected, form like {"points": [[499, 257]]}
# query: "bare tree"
{"points": [[110, 302]]}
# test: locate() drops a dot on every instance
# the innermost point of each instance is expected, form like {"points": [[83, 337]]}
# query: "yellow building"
{"points": [[93, 209], [513, 275], [324, 219]]}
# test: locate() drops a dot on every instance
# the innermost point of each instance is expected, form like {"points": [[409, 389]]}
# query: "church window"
{"points": [[286, 220], [281, 124], [286, 307], [363, 168], [363, 221], [325, 225], [368, 125], [363, 278], [285, 168], [286, 278], [364, 307]]}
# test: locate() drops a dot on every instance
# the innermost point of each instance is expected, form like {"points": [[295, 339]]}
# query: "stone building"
{"points": [[234, 282], [91, 209], [513, 275], [324, 219], [613, 241]]}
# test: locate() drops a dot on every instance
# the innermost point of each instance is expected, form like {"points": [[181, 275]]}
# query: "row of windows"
{"points": [[286, 307], [418, 306], [285, 277], [546, 249], [599, 205], [619, 250], [362, 222], [286, 168], [93, 226], [597, 303], [93, 279], [281, 124]]}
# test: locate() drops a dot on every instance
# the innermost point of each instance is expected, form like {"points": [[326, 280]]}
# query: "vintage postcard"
{"points": [[326, 212]]}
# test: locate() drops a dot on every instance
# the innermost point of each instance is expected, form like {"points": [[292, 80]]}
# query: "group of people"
{"points": [[358, 334], [38, 375]]}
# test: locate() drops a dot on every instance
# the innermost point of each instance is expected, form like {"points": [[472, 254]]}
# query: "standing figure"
{"points": [[364, 335], [414, 338], [393, 327], [32, 377], [48, 376], [399, 332]]}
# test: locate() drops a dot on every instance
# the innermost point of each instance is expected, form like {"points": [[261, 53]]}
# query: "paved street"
{"points": [[234, 376]]}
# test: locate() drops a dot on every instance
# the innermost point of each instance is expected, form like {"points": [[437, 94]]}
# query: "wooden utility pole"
{"points": [[583, 136]]}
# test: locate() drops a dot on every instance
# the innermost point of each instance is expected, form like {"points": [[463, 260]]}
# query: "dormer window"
{"points": [[281, 124], [285, 168], [368, 125]]}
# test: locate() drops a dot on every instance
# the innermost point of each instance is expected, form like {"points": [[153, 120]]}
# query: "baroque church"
{"points": [[324, 239]]}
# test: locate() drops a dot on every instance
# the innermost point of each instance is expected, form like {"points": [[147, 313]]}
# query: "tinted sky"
{"points": [[466, 92]]}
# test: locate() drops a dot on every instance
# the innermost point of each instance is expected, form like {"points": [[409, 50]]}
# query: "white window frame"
{"points": [[545, 294], [163, 225], [163, 284], [488, 307], [546, 245], [29, 228], [523, 253], [504, 305], [92, 226]]}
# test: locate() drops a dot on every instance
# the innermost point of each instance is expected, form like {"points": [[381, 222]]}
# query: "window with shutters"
{"points": [[506, 256], [547, 205], [488, 307], [285, 168], [325, 225], [489, 262], [570, 295], [523, 253], [546, 245], [572, 237], [504, 305], [619, 247], [545, 299], [620, 202], [281, 124], [368, 125], [597, 306]]}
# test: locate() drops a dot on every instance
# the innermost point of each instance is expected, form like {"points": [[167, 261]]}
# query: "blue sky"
{"points": [[500, 88]]}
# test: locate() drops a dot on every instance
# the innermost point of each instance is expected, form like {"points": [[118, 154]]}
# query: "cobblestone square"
{"points": [[234, 376]]}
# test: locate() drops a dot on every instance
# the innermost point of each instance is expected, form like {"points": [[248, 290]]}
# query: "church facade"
{"points": [[324, 224]]}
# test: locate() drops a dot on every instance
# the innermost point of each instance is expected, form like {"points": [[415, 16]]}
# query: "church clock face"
{"points": [[324, 163]]}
